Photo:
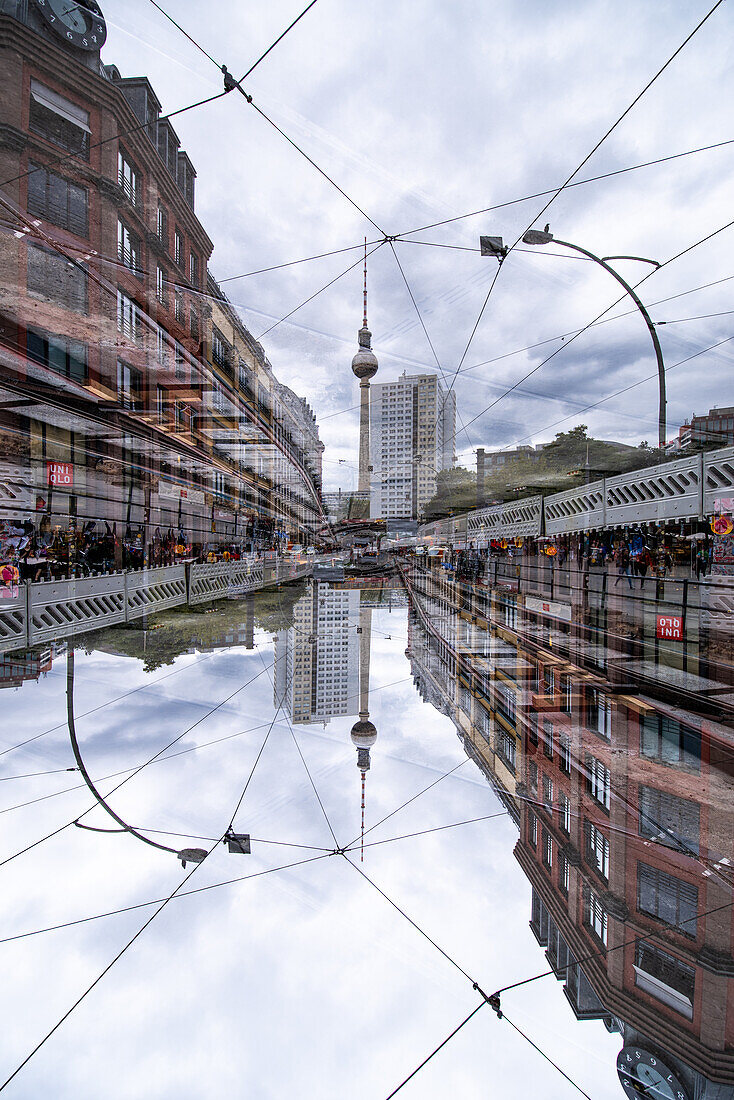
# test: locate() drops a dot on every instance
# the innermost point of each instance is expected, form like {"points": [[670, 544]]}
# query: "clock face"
{"points": [[644, 1074], [80, 24]]}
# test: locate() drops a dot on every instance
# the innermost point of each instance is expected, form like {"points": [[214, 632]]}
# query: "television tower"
{"points": [[364, 365], [364, 733]]}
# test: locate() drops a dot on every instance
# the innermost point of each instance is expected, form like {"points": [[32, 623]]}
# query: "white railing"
{"points": [[34, 613], [694, 487]]}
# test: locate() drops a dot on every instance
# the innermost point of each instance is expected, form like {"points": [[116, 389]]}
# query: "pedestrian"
{"points": [[623, 564], [643, 563], [701, 563]]}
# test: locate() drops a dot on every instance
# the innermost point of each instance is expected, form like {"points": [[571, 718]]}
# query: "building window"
{"points": [[177, 247], [599, 713], [566, 694], [57, 200], [194, 328], [178, 307], [597, 849], [669, 820], [161, 404], [129, 386], [563, 873], [59, 121], [667, 898], [57, 280], [548, 794], [665, 978], [669, 742], [532, 828], [180, 416], [194, 268], [506, 702], [129, 178], [533, 776], [598, 781], [548, 738], [547, 848], [162, 345], [65, 357], [220, 348], [128, 317], [161, 292], [506, 748], [162, 227], [595, 916], [128, 248], [179, 363], [564, 753], [564, 813], [549, 680]]}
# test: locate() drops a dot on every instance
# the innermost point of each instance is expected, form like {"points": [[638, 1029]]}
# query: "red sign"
{"points": [[670, 626], [60, 474]]}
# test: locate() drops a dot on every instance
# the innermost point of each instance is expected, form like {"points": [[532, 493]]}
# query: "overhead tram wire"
{"points": [[562, 187], [185, 33], [550, 191], [59, 159], [137, 770], [435, 1051], [599, 316], [164, 759], [624, 389], [318, 292], [156, 901], [425, 330], [147, 923]]}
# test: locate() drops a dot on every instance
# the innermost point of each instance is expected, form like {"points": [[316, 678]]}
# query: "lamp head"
{"points": [[537, 236]]}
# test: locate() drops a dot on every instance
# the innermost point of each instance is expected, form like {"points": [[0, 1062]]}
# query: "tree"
{"points": [[456, 491]]}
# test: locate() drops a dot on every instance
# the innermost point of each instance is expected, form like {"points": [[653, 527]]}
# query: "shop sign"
{"points": [[549, 608], [60, 474], [670, 627], [167, 490], [224, 515]]}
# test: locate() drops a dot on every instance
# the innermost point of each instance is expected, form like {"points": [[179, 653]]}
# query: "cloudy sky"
{"points": [[423, 112], [300, 983]]}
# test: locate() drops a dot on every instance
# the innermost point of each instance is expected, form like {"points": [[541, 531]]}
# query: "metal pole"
{"points": [[662, 425]]}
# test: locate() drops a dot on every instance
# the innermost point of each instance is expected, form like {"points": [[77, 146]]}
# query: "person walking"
{"points": [[623, 564]]}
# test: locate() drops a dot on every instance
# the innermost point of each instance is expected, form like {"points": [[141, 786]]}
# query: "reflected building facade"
{"points": [[619, 779]]}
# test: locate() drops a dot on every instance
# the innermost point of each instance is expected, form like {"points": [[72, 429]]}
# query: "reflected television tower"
{"points": [[364, 733]]}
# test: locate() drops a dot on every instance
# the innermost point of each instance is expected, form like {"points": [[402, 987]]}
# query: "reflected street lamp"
{"points": [[236, 842], [492, 246]]}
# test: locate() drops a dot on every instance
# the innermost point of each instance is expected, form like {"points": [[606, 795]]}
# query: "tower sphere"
{"points": [[364, 734], [364, 363]]}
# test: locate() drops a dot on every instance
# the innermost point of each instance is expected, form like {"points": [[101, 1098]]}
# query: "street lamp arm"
{"points": [[85, 774], [640, 259], [662, 432]]}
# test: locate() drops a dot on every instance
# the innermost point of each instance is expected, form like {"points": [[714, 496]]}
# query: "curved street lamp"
{"points": [[239, 843], [492, 246]]}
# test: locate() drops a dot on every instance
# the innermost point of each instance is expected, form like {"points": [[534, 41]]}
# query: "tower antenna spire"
{"points": [[364, 322]]}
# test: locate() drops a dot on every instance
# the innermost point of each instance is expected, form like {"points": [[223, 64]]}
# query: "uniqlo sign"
{"points": [[60, 474], [670, 626]]}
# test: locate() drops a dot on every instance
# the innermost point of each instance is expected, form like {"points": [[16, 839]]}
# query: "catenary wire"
{"points": [[435, 1051], [405, 915], [560, 189], [318, 292], [137, 770], [277, 40], [156, 901], [546, 1056], [576, 183], [59, 159], [425, 331], [580, 332], [425, 832], [185, 33], [140, 931]]}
